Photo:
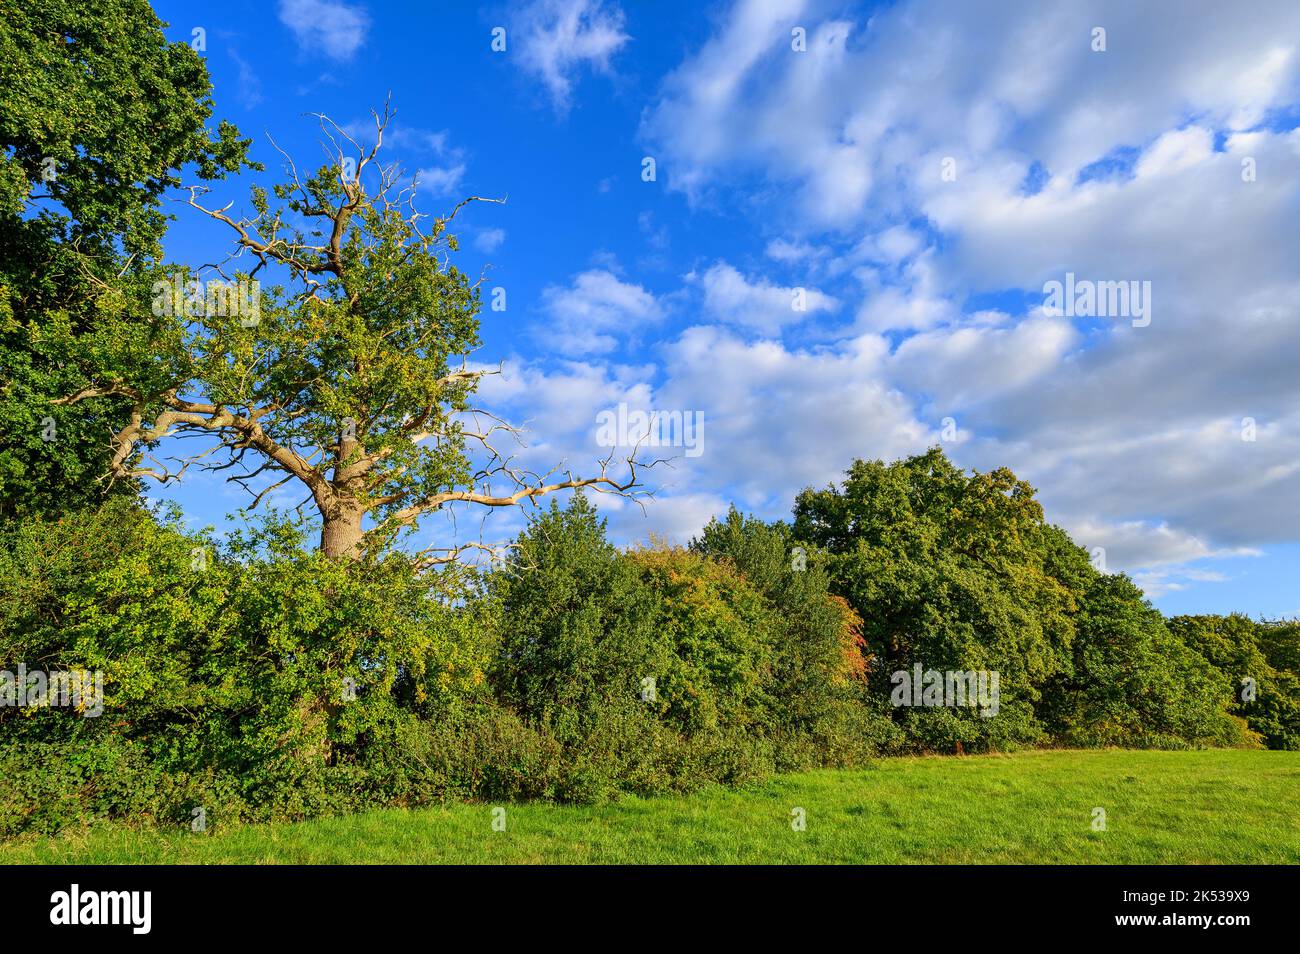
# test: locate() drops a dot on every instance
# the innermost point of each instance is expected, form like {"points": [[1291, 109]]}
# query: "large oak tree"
{"points": [[354, 381]]}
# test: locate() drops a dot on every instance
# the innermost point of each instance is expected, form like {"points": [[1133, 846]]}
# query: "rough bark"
{"points": [[340, 535]]}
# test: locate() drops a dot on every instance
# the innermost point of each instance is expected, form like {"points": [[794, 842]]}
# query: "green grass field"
{"points": [[1030, 808]]}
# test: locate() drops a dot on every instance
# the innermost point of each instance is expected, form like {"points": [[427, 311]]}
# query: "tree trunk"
{"points": [[340, 534]]}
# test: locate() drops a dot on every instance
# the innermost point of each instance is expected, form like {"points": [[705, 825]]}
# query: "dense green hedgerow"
{"points": [[256, 680], [253, 679]]}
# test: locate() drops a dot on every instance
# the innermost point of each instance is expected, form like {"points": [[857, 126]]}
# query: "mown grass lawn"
{"points": [[1028, 808]]}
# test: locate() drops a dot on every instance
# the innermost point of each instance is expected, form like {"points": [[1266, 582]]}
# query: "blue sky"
{"points": [[919, 170]]}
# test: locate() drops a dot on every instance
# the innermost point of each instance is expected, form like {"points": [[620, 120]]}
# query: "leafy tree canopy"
{"points": [[351, 382], [98, 116]]}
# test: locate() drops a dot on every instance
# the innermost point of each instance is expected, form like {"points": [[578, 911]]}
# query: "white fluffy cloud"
{"points": [[441, 180], [440, 165], [489, 240], [964, 366], [594, 312], [556, 39], [326, 26], [758, 303], [871, 107]]}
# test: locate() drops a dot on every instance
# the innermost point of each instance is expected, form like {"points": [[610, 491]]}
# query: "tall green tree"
{"points": [[949, 570], [961, 571], [98, 115]]}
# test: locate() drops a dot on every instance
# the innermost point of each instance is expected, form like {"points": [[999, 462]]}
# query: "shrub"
{"points": [[1241, 654], [576, 633], [720, 635], [664, 669], [229, 672], [1133, 682], [817, 658]]}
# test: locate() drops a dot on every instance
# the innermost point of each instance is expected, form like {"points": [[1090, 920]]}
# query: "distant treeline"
{"points": [[257, 679]]}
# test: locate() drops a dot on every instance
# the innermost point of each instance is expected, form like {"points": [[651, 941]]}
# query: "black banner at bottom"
{"points": [[142, 904]]}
